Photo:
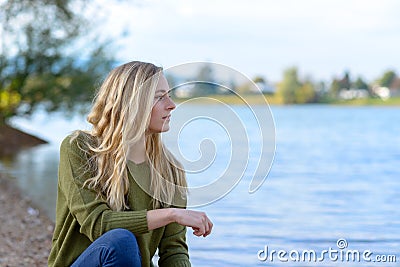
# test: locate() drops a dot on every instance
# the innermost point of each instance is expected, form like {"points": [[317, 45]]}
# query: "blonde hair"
{"points": [[120, 117]]}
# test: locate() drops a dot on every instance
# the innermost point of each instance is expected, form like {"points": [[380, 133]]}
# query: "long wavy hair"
{"points": [[120, 116]]}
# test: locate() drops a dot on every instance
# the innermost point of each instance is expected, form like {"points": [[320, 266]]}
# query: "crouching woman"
{"points": [[121, 193]]}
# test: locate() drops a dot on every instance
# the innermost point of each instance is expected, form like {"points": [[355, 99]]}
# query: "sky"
{"points": [[323, 39]]}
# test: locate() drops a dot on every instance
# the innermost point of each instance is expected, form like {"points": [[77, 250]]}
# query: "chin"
{"points": [[165, 129], [162, 130]]}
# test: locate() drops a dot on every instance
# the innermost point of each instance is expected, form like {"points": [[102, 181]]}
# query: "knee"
{"points": [[122, 236], [121, 233], [124, 247]]}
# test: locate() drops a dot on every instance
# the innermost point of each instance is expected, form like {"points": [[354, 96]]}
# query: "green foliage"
{"points": [[387, 79], [288, 86], [259, 79], [37, 61], [339, 84], [8, 102], [345, 82], [360, 84], [306, 93], [334, 88], [293, 91]]}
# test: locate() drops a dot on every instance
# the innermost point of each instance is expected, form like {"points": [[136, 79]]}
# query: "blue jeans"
{"points": [[117, 247]]}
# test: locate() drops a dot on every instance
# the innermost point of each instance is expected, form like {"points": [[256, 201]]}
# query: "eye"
{"points": [[161, 97]]}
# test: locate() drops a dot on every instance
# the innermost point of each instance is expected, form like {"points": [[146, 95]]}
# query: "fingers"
{"points": [[197, 232], [199, 221], [209, 228], [205, 226]]}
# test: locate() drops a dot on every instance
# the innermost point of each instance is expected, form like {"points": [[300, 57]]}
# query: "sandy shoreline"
{"points": [[25, 231]]}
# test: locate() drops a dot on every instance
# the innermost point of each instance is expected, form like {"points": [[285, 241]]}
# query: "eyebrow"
{"points": [[163, 91]]}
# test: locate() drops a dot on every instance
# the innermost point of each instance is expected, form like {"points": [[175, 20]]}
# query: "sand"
{"points": [[25, 231]]}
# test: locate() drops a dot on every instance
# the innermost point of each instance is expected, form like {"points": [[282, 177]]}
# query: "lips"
{"points": [[166, 117]]}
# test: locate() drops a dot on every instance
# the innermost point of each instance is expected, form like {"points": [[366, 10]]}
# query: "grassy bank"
{"points": [[394, 101], [256, 99]]}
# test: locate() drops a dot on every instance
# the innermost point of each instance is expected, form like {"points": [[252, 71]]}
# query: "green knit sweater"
{"points": [[81, 217]]}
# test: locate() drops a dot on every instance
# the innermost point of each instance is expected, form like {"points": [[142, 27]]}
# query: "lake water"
{"points": [[336, 175]]}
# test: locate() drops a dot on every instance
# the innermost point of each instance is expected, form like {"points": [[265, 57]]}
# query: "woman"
{"points": [[121, 193]]}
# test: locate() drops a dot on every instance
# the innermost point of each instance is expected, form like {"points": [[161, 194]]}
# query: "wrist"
{"points": [[172, 215]]}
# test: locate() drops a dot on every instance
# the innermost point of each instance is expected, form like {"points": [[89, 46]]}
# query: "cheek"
{"points": [[155, 116], [152, 120], [154, 113], [157, 110]]}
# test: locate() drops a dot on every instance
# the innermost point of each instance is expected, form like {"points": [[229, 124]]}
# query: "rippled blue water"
{"points": [[336, 174]]}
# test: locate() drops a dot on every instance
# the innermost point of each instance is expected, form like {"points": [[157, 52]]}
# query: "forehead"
{"points": [[162, 85]]}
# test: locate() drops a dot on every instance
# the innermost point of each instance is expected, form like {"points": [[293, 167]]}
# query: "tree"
{"points": [[43, 57], [288, 86], [206, 84], [334, 88], [345, 82], [360, 84], [259, 79], [305, 93], [387, 79]]}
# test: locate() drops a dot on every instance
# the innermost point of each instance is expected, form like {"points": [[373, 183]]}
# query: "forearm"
{"points": [[159, 217], [199, 221]]}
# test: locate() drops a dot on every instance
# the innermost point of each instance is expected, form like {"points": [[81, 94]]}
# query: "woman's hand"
{"points": [[198, 220]]}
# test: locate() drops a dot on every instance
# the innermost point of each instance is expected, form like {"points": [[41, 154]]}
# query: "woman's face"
{"points": [[162, 107]]}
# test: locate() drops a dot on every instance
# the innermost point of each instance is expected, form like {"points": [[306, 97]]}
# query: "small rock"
{"points": [[33, 212]]}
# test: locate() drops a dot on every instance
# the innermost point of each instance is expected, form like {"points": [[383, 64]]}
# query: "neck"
{"points": [[137, 151]]}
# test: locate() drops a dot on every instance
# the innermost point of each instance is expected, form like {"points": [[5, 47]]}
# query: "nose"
{"points": [[171, 105]]}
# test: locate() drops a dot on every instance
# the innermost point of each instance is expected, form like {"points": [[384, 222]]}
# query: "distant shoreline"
{"points": [[13, 140], [257, 99]]}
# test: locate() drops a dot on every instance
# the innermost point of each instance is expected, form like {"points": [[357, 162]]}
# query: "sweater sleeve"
{"points": [[92, 213], [173, 250]]}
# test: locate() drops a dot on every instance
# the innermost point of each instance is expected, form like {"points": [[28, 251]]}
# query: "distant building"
{"points": [[382, 92], [385, 92], [348, 94], [264, 88], [394, 92], [185, 91]]}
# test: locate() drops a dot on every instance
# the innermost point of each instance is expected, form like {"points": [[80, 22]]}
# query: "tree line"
{"points": [[292, 89]]}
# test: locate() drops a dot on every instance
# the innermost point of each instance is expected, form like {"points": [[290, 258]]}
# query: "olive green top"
{"points": [[81, 217]]}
